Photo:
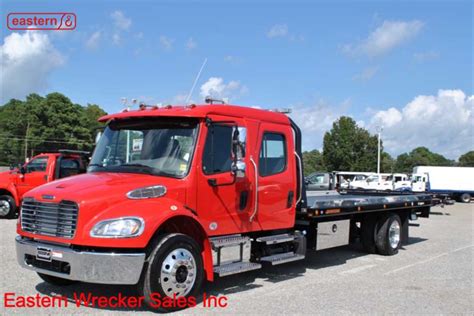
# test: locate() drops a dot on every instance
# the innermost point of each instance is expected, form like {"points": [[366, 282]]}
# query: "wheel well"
{"points": [[184, 225], [5, 192], [190, 227]]}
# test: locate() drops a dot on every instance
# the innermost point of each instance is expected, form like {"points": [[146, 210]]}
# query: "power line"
{"points": [[23, 136], [47, 141]]}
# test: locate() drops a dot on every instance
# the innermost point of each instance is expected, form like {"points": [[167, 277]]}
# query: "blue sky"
{"points": [[379, 62]]}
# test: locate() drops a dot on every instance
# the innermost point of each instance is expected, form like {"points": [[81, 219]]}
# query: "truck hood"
{"points": [[95, 192]]}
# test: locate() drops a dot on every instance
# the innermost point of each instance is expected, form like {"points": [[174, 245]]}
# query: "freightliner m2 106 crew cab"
{"points": [[176, 195]]}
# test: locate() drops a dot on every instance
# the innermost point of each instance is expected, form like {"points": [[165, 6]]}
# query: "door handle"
{"points": [[255, 209]]}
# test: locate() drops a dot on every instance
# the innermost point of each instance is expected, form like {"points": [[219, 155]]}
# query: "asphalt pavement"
{"points": [[431, 275]]}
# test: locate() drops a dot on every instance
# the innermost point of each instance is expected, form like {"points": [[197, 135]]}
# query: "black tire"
{"points": [[367, 233], [7, 211], [152, 281], [55, 280], [387, 245], [465, 198]]}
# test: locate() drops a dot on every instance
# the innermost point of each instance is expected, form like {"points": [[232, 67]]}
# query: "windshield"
{"points": [[372, 179], [159, 147]]}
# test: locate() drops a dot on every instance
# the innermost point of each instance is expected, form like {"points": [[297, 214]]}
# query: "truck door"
{"points": [[223, 200], [35, 174], [276, 177]]}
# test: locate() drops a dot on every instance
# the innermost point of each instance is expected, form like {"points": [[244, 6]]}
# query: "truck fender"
{"points": [[190, 225], [11, 190]]}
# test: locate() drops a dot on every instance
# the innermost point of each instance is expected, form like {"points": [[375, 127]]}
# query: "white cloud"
{"points": [[385, 38], [426, 56], [166, 42], [27, 59], [443, 123], [281, 30], [366, 74], [234, 60], [191, 44], [120, 20], [278, 30], [93, 41], [314, 120], [215, 87], [116, 39]]}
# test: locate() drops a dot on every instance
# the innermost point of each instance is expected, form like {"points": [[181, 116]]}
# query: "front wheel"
{"points": [[174, 271], [7, 206]]}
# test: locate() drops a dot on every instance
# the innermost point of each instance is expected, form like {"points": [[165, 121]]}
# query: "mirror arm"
{"points": [[213, 182]]}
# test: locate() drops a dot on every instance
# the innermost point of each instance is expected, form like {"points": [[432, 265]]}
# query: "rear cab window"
{"points": [[273, 154]]}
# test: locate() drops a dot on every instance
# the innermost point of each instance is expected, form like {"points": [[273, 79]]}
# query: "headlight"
{"points": [[118, 228]]}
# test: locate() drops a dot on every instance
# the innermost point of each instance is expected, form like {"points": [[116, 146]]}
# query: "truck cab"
{"points": [[418, 182], [40, 169]]}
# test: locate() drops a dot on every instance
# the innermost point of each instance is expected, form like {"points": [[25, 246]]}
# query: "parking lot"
{"points": [[433, 274]]}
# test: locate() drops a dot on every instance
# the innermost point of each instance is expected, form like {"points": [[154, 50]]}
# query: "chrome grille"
{"points": [[48, 218]]}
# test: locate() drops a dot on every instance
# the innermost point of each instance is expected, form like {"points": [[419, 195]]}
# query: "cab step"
{"points": [[236, 267], [276, 239], [282, 258], [227, 241]]}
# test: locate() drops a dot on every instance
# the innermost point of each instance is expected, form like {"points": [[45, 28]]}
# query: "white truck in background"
{"points": [[383, 182], [453, 182]]}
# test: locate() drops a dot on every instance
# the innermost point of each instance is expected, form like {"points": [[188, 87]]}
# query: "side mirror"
{"points": [[238, 151], [238, 169]]}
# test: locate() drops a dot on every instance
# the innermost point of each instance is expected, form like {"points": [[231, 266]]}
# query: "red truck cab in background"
{"points": [[178, 194], [42, 168]]}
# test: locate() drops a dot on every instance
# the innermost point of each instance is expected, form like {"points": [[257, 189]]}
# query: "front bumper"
{"points": [[85, 266]]}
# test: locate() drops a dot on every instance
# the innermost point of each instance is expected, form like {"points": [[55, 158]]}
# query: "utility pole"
{"points": [[379, 132], [26, 140]]}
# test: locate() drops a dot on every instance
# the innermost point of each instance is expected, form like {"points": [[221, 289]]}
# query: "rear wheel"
{"points": [[175, 271], [388, 235], [465, 198], [55, 280], [7, 206]]}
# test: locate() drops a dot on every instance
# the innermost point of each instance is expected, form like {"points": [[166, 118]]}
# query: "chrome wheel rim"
{"points": [[394, 234], [4, 207], [178, 273]]}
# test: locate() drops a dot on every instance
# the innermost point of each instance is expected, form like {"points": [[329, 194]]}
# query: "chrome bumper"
{"points": [[93, 267]]}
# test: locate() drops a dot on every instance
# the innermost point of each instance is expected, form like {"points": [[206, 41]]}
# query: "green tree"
{"points": [[349, 147], [387, 163], [420, 156], [313, 161], [45, 124], [467, 160]]}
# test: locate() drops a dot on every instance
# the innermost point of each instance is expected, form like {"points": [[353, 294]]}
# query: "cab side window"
{"points": [[273, 155], [217, 156], [37, 164]]}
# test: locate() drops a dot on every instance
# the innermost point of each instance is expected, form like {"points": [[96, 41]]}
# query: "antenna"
{"points": [[196, 80]]}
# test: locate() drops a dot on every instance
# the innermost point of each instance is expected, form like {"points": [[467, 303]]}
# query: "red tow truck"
{"points": [[177, 195], [42, 168]]}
